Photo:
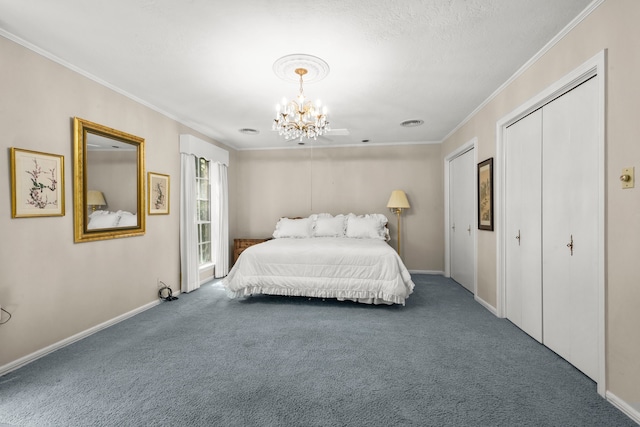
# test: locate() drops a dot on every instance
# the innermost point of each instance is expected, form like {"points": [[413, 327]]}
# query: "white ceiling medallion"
{"points": [[285, 68]]}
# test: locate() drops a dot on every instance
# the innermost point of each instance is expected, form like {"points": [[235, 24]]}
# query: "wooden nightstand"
{"points": [[240, 245]]}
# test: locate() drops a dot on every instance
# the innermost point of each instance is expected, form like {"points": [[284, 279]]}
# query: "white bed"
{"points": [[106, 219], [324, 260]]}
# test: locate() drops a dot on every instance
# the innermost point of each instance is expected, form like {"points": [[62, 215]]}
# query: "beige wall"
{"points": [[298, 182], [53, 287], [115, 175], [612, 26]]}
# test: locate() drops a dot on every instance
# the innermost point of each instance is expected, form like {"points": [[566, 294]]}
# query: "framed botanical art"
{"points": [[37, 184], [158, 197], [485, 195]]}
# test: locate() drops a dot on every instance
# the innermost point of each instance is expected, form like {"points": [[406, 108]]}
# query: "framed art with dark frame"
{"points": [[158, 187], [37, 184], [485, 195]]}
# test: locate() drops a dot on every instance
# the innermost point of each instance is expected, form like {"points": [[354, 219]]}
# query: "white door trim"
{"points": [[469, 145], [594, 66]]}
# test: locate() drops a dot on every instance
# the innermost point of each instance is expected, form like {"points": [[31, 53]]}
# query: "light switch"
{"points": [[627, 178]]}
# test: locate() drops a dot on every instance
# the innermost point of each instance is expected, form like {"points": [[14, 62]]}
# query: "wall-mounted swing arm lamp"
{"points": [[397, 202]]}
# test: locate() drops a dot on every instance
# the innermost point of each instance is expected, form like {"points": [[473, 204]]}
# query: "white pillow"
{"points": [[329, 227], [367, 226], [103, 220], [127, 219], [383, 225], [293, 228]]}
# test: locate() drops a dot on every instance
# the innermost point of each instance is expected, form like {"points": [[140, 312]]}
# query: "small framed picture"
{"points": [[158, 197], [485, 195], [37, 184]]}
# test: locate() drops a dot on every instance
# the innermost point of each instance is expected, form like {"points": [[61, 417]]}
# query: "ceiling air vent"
{"points": [[249, 131], [412, 123]]}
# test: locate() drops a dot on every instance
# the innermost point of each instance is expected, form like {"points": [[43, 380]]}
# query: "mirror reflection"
{"points": [[109, 171]]}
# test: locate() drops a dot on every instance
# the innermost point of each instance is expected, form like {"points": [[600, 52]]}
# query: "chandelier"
{"points": [[297, 119]]}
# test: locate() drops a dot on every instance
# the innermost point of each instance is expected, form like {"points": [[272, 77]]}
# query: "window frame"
{"points": [[206, 197]]}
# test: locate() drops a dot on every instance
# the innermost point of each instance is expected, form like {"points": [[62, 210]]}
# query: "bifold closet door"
{"points": [[523, 222], [570, 226], [462, 211]]}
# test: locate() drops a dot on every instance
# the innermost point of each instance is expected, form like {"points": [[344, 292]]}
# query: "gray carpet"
{"points": [[205, 360]]}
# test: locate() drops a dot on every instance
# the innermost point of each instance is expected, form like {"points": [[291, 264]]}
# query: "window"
{"points": [[203, 214]]}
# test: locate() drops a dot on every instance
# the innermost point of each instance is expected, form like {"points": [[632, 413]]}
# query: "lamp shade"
{"points": [[398, 200], [95, 198]]}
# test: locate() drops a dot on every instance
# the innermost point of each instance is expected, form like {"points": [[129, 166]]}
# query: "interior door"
{"points": [[570, 235], [462, 213], [523, 222]]}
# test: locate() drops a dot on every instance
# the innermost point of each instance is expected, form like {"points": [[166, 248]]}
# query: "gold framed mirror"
{"points": [[108, 183]]}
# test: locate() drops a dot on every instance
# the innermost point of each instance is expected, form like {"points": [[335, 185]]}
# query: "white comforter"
{"points": [[363, 270]]}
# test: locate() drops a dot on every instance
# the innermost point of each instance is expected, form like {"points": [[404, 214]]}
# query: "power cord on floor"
{"points": [[2, 310], [165, 293]]}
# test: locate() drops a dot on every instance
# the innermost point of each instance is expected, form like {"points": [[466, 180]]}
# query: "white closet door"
{"points": [[570, 215], [523, 222], [462, 211]]}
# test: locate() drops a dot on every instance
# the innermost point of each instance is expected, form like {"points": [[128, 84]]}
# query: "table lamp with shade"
{"points": [[94, 199], [397, 202]]}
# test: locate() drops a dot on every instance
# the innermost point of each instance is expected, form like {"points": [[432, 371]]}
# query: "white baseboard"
{"points": [[12, 366], [632, 411], [438, 273], [486, 305]]}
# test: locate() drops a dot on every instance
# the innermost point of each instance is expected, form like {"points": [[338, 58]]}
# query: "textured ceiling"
{"points": [[209, 63]]}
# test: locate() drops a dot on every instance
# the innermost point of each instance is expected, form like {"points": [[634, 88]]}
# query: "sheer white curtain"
{"points": [[220, 219], [192, 148], [188, 228]]}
